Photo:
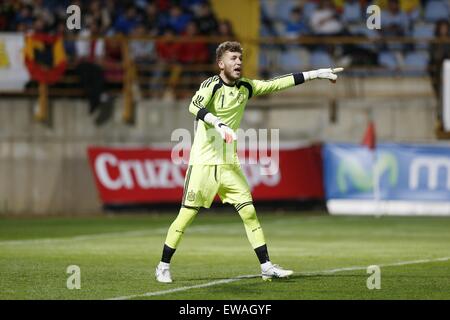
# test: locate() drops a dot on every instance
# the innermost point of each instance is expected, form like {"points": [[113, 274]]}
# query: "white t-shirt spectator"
{"points": [[323, 21], [89, 49]]}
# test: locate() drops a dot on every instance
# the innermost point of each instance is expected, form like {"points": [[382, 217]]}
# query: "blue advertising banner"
{"points": [[393, 174]]}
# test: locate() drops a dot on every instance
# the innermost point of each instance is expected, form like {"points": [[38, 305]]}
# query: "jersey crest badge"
{"points": [[241, 97], [191, 196]]}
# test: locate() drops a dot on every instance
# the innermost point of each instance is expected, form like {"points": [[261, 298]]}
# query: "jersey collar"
{"points": [[226, 84]]}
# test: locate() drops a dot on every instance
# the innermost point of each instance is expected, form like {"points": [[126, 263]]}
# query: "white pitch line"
{"points": [[209, 284], [309, 273]]}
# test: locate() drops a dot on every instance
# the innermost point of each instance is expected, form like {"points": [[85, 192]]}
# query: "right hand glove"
{"points": [[225, 132], [329, 74]]}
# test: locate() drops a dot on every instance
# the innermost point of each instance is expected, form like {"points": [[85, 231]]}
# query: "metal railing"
{"points": [[154, 79]]}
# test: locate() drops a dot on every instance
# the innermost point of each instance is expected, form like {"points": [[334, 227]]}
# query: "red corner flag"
{"points": [[369, 139]]}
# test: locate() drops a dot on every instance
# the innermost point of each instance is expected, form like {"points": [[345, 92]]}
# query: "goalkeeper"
{"points": [[214, 167]]}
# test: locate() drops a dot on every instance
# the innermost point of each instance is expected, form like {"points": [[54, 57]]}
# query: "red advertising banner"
{"points": [[147, 175]]}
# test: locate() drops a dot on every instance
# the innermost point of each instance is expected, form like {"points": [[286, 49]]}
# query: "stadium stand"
{"points": [[148, 29]]}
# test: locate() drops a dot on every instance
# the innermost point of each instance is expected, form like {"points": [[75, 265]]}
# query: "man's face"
{"points": [[231, 64]]}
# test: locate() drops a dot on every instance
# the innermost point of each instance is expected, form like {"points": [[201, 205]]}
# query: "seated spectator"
{"points": [[143, 53], [168, 52], [153, 20], [167, 49], [142, 50], [192, 52], [225, 30], [24, 18], [394, 22], [98, 15], [126, 22], [295, 27], [177, 19], [325, 21], [205, 19], [439, 51], [191, 5]]}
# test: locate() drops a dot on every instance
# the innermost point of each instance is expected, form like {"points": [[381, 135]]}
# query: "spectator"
{"points": [[142, 50], [24, 18], [439, 51], [191, 5], [225, 30], [394, 22], [7, 15], [143, 53], [192, 52], [177, 19], [325, 21], [126, 22], [206, 20], [295, 27], [99, 16], [167, 49], [168, 52], [153, 20]]}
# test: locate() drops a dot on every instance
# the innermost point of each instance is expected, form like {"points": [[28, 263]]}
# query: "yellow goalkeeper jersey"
{"points": [[227, 102]]}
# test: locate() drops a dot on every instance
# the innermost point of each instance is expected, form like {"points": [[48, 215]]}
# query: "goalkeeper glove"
{"points": [[329, 74], [225, 131]]}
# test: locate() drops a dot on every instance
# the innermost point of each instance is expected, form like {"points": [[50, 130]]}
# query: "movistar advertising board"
{"points": [[395, 177]]}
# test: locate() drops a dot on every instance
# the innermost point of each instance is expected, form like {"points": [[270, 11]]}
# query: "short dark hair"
{"points": [[232, 46]]}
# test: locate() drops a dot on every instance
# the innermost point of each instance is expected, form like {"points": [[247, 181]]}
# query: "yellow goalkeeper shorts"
{"points": [[203, 182]]}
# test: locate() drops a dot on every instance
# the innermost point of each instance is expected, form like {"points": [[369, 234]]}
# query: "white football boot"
{"points": [[269, 271], [162, 273]]}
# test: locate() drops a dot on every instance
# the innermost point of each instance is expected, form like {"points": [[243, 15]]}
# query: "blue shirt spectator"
{"points": [[24, 17], [127, 22], [295, 27], [177, 19], [394, 22]]}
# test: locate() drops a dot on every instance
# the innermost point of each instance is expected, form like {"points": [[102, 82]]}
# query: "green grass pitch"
{"points": [[117, 256]]}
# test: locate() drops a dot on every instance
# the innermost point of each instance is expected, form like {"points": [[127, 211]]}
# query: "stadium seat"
{"points": [[268, 9], [417, 62], [387, 59], [308, 9], [321, 59], [436, 10], [283, 9], [351, 13], [361, 29], [293, 59], [423, 30], [415, 15]]}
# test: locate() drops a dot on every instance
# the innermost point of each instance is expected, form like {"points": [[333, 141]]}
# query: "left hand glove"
{"points": [[329, 74]]}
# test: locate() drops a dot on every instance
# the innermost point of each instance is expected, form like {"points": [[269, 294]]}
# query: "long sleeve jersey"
{"points": [[227, 102]]}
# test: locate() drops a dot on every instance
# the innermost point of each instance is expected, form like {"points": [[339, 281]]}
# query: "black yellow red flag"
{"points": [[45, 57]]}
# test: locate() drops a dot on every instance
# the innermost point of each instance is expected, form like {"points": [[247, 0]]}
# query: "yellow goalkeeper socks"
{"points": [[179, 225], [254, 231]]}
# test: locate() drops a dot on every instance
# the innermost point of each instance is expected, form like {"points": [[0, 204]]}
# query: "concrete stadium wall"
{"points": [[44, 168]]}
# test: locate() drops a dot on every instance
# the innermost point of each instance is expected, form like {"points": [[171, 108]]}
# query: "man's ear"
{"points": [[221, 64]]}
